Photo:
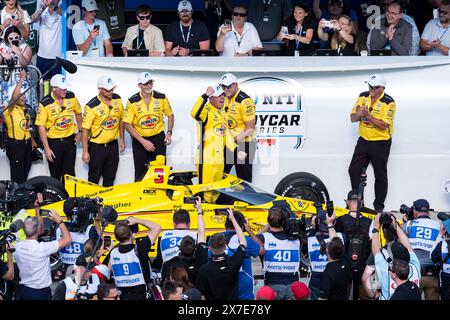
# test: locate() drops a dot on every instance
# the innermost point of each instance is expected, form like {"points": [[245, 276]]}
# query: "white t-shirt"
{"points": [[5, 15], [33, 260], [235, 43], [50, 35], [434, 30], [80, 33]]}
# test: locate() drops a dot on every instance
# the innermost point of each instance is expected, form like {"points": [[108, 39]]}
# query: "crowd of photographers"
{"points": [[348, 256]]}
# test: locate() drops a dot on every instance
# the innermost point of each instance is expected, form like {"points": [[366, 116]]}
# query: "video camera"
{"points": [[8, 236], [82, 211], [409, 211], [293, 225], [321, 216]]}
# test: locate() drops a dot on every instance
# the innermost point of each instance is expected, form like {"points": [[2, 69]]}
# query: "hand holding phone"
{"points": [[44, 212], [330, 208], [106, 241]]}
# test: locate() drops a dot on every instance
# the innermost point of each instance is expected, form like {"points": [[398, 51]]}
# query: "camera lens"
{"points": [[443, 216]]}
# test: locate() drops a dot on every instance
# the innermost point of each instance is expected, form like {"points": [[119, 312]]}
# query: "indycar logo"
{"points": [[110, 123], [149, 121], [63, 122]]}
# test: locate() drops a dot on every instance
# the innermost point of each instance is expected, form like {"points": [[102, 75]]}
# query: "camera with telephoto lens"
{"points": [[386, 220], [409, 211], [293, 226], [15, 197], [82, 211], [321, 218], [8, 236]]}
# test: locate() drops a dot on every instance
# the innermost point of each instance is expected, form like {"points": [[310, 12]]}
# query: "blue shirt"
{"points": [[81, 31]]}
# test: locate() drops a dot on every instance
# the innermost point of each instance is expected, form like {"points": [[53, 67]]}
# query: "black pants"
{"points": [[104, 162], [65, 152], [377, 153], [27, 293], [243, 168], [142, 157], [19, 155]]}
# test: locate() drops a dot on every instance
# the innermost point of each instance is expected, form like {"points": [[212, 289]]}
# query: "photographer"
{"points": [[440, 255], [400, 251], [282, 256], [423, 233], [128, 262], [321, 234], [33, 257], [6, 270], [80, 228]]}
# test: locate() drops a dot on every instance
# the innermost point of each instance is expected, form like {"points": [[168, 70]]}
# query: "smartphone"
{"points": [[44, 212], [97, 27], [190, 200], [285, 30], [106, 241], [328, 24], [227, 22], [221, 211], [14, 17], [330, 208]]}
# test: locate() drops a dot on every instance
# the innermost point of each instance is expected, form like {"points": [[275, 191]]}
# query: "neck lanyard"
{"points": [[139, 44], [186, 40], [89, 31], [445, 31], [266, 5], [297, 42], [110, 5]]}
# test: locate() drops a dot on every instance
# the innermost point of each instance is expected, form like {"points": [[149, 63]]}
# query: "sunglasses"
{"points": [[224, 87], [13, 38], [111, 90], [374, 87], [148, 83], [185, 12], [147, 17], [242, 15], [92, 11], [442, 12]]}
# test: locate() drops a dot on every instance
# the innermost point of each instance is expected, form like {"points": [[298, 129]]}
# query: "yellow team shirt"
{"points": [[148, 120], [102, 120], [57, 119], [383, 109], [241, 109], [18, 123]]}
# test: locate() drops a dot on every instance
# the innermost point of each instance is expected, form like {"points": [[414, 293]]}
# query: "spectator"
{"points": [[266, 293], [49, 19], [440, 256], [79, 234], [13, 15], [415, 50], [300, 290], [300, 32], [216, 12], [375, 111], [423, 233], [146, 125], [75, 289], [322, 232], [192, 256], [218, 279], [239, 38], [33, 257], [343, 40], [347, 224], [90, 34], [424, 11], [179, 274], [108, 291], [57, 131], [395, 33], [144, 35], [20, 142], [187, 34], [337, 273], [254, 249], [267, 16], [6, 272], [101, 151], [335, 9], [406, 290], [400, 251], [89, 245], [192, 294], [172, 290], [15, 47], [241, 111], [435, 39], [128, 262], [282, 256]]}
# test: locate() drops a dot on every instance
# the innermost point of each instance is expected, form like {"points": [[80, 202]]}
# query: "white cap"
{"points": [[376, 80], [102, 271], [228, 79], [184, 5], [58, 80], [105, 83], [144, 77], [89, 5], [218, 91]]}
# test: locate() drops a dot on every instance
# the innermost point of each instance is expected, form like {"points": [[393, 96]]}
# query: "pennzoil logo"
{"points": [[232, 123], [25, 125], [110, 123], [149, 121], [218, 218], [219, 129], [63, 123]]}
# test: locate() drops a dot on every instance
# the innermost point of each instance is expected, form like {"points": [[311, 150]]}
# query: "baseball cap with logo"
{"points": [[228, 79], [82, 261], [218, 91], [421, 205], [89, 5], [300, 290], [184, 5], [106, 83], [376, 80], [266, 293], [192, 294], [58, 80], [144, 77]]}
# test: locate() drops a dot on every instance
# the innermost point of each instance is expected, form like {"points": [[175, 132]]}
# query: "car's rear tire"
{"points": [[54, 190], [302, 185]]}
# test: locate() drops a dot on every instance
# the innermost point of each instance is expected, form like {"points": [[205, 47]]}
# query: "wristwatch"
{"points": [[200, 212], [375, 230]]}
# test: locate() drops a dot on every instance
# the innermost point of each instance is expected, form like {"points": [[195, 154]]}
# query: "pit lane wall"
{"points": [[303, 123]]}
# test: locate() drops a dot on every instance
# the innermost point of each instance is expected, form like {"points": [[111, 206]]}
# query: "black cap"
{"points": [[192, 294], [68, 206], [399, 252], [352, 195], [421, 205], [82, 261]]}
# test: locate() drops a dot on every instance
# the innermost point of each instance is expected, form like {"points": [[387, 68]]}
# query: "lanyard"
{"points": [[445, 31], [188, 34], [89, 31], [297, 42], [139, 44], [266, 6]]}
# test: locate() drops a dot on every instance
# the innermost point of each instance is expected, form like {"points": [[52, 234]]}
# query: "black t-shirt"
{"points": [[213, 20], [192, 264], [305, 49], [349, 49], [407, 291], [139, 43], [218, 279], [335, 279], [193, 35]]}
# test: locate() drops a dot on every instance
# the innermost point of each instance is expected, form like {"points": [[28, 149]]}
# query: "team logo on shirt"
{"points": [[110, 123], [232, 123], [219, 129], [63, 123], [148, 121], [25, 125]]}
